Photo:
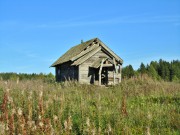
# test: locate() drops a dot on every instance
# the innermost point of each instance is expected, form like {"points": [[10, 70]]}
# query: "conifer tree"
{"points": [[142, 69]]}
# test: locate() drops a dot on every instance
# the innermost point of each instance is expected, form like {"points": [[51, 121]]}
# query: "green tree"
{"points": [[142, 69], [128, 72], [152, 72]]}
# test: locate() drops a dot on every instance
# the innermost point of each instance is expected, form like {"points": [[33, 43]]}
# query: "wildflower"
{"points": [[22, 92], [2, 128], [7, 128], [7, 90], [17, 81], [93, 131], [34, 128], [52, 130], [149, 116], [30, 95], [19, 111], [88, 122], [10, 99], [47, 104], [39, 117], [41, 94], [41, 124], [69, 123], [55, 118], [6, 82], [109, 128], [148, 131], [99, 130], [31, 123], [65, 124], [22, 125], [13, 111]]}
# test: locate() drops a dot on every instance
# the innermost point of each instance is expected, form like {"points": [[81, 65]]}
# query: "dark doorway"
{"points": [[104, 76]]}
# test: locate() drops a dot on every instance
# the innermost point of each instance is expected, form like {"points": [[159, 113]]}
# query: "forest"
{"points": [[157, 70]]}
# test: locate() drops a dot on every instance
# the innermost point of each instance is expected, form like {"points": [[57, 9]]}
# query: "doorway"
{"points": [[104, 76]]}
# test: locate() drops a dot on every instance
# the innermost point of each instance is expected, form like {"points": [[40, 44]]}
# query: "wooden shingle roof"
{"points": [[72, 52], [83, 50]]}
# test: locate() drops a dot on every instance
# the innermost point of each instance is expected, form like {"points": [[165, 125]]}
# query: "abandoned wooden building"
{"points": [[90, 62]]}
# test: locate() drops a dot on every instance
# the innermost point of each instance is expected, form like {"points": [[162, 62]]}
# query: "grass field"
{"points": [[136, 106]]}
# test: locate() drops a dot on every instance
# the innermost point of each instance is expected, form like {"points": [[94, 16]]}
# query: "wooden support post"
{"points": [[79, 73], [114, 77], [120, 68], [100, 70], [114, 62]]}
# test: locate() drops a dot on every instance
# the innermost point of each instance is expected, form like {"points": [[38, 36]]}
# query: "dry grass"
{"points": [[136, 106]]}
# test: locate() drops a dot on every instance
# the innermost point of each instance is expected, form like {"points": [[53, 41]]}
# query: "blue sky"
{"points": [[34, 33]]}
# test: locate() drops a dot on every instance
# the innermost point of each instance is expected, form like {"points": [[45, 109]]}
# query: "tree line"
{"points": [[158, 70], [25, 76]]}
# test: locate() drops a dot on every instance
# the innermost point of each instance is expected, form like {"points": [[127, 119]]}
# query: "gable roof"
{"points": [[78, 51]]}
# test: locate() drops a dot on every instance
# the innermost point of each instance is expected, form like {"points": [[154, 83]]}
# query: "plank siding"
{"points": [[86, 73], [66, 72]]}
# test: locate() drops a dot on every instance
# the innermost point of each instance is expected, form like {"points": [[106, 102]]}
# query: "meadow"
{"points": [[136, 106]]}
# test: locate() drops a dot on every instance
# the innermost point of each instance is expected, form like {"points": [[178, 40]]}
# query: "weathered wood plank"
{"points": [[102, 54], [97, 63], [107, 65], [84, 52], [100, 70], [110, 51], [85, 57], [85, 68]]}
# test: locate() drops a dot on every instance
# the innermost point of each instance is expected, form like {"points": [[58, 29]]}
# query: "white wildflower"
{"points": [[109, 128], [41, 94], [31, 123], [65, 124], [7, 128], [34, 128], [93, 131], [13, 111], [10, 99], [41, 124], [22, 92], [22, 125], [148, 131], [70, 123], [2, 128], [17, 81], [149, 116], [88, 122], [6, 82], [30, 95], [19, 111], [39, 117], [55, 118], [7, 90]]}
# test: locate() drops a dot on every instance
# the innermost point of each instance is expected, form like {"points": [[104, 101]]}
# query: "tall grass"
{"points": [[136, 106]]}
